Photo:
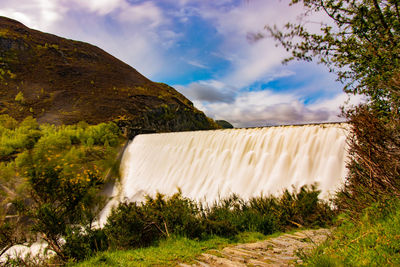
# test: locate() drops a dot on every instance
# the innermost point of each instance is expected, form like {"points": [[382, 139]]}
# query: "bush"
{"points": [[303, 208], [270, 214], [176, 215], [83, 243], [130, 226], [374, 175], [60, 202], [133, 225]]}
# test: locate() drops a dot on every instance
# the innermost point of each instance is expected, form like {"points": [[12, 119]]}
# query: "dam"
{"points": [[209, 165]]}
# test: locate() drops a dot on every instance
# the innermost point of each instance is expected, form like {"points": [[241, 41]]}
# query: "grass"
{"points": [[371, 240], [169, 252]]}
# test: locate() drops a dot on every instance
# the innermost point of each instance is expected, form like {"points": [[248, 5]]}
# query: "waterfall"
{"points": [[208, 165]]}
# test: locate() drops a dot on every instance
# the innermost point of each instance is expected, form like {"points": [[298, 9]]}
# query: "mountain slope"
{"points": [[60, 81]]}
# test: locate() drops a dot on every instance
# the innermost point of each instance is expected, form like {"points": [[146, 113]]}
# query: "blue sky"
{"points": [[200, 47]]}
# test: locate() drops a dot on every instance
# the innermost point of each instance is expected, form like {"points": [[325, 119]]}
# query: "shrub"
{"points": [[374, 175], [60, 202], [82, 243], [15, 138], [269, 214], [134, 225], [175, 215], [130, 226], [303, 208]]}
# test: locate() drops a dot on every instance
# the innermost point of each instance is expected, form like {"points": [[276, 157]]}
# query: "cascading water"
{"points": [[208, 165]]}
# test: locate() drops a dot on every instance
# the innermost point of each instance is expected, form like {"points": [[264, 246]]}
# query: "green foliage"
{"points": [[374, 156], [233, 215], [303, 207], [371, 241], [14, 139], [269, 214], [176, 215], [7, 122], [51, 180], [84, 243], [132, 225]]}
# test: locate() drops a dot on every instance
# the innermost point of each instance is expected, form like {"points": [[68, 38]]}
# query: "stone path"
{"points": [[278, 251]]}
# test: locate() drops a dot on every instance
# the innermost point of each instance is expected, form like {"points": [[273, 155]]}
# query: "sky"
{"points": [[204, 49]]}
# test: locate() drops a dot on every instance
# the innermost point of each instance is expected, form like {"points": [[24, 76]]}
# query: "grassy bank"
{"points": [[373, 239], [168, 252]]}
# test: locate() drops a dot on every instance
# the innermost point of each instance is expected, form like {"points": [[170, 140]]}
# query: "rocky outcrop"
{"points": [[167, 118]]}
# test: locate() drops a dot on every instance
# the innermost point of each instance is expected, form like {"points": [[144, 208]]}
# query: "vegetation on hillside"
{"points": [[51, 177]]}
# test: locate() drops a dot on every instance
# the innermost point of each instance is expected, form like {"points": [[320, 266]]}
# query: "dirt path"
{"points": [[278, 251]]}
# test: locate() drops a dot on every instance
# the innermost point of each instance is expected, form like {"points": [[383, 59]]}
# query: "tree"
{"points": [[361, 44]]}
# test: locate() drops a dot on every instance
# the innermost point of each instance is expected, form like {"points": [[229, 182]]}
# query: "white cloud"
{"points": [[334, 105], [251, 61], [145, 13], [197, 64], [38, 14], [101, 7], [263, 108], [19, 16], [208, 91]]}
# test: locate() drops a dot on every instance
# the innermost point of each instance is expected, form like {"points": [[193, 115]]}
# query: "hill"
{"points": [[224, 124], [62, 81]]}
